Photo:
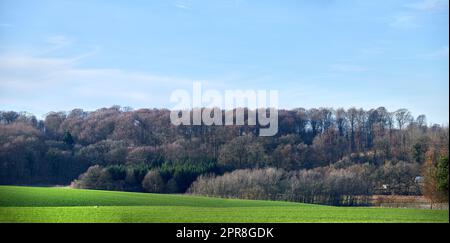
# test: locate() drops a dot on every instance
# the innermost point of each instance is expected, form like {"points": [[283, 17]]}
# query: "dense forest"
{"points": [[318, 155]]}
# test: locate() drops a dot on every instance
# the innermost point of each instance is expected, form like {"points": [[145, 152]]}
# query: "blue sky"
{"points": [[64, 54]]}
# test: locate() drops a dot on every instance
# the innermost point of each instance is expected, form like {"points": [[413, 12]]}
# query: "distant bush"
{"points": [[97, 177], [153, 182], [94, 178]]}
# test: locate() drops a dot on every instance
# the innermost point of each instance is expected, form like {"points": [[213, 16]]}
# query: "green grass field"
{"points": [[38, 204]]}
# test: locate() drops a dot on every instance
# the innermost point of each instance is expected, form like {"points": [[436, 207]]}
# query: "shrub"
{"points": [[153, 182], [94, 178], [97, 177]]}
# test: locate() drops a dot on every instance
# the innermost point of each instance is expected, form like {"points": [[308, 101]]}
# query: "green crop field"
{"points": [[38, 204]]}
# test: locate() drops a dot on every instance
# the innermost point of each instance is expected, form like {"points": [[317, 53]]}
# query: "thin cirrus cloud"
{"points": [[60, 84], [429, 5], [57, 42], [183, 4], [412, 15], [404, 20]]}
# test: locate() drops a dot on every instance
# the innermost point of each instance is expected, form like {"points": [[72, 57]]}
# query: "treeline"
{"points": [[332, 185], [121, 146]]}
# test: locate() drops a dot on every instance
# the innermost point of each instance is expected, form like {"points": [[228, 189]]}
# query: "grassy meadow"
{"points": [[45, 204]]}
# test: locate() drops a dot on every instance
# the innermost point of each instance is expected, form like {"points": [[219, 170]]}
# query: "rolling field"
{"points": [[38, 204]]}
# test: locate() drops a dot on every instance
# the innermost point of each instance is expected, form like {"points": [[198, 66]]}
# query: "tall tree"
{"points": [[68, 139]]}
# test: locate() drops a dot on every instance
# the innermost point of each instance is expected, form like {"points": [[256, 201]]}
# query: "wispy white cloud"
{"points": [[34, 81], [56, 42], [183, 4], [404, 21], [59, 40], [412, 15], [429, 5]]}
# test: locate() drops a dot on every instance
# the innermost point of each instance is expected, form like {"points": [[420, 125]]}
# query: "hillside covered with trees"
{"points": [[318, 156]]}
